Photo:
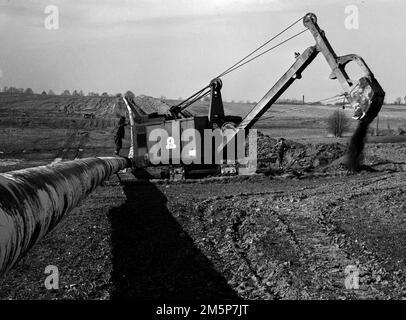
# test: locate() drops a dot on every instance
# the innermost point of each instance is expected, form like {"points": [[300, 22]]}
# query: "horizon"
{"points": [[173, 48]]}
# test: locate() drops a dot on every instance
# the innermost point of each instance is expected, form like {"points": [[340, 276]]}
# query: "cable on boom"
{"points": [[201, 93]]}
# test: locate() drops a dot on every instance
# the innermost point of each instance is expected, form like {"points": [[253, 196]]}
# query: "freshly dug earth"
{"points": [[301, 157], [251, 237], [331, 158]]}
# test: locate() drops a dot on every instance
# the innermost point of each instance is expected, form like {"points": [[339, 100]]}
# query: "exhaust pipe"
{"points": [[33, 201]]}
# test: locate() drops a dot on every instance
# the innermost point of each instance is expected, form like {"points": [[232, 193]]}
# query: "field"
{"points": [[36, 129], [277, 235]]}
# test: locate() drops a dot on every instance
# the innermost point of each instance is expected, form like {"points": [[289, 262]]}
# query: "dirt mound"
{"points": [[329, 158], [97, 106], [115, 107], [299, 156], [266, 145], [152, 105], [323, 154]]}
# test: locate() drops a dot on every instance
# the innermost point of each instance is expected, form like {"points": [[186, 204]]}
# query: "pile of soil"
{"points": [[114, 107], [151, 105], [299, 156]]}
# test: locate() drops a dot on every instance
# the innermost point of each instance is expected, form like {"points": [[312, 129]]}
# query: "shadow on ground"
{"points": [[152, 255]]}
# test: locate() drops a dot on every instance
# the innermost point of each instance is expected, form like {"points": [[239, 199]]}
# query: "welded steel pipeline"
{"points": [[33, 201]]}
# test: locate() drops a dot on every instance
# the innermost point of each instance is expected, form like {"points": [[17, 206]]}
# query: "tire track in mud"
{"points": [[236, 238], [231, 235], [367, 261], [267, 283], [311, 214]]}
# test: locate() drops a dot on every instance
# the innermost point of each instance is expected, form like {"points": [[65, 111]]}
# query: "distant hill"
{"points": [[14, 106], [53, 105], [88, 113]]}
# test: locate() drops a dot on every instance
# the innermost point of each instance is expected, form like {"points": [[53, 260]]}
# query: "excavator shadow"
{"points": [[153, 257]]}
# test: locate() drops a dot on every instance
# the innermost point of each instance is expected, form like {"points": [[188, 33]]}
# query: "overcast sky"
{"points": [[174, 47]]}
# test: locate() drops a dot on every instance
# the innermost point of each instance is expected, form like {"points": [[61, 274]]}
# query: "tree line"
{"points": [[80, 93], [399, 100], [75, 93]]}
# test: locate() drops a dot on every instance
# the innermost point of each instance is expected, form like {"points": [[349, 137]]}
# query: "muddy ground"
{"points": [[286, 234], [281, 236]]}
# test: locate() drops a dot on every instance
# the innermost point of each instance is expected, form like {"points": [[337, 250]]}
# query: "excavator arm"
{"points": [[365, 95]]}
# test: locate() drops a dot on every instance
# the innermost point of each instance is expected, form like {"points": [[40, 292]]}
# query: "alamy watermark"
{"points": [[208, 146], [351, 21], [51, 21], [351, 277], [52, 281]]}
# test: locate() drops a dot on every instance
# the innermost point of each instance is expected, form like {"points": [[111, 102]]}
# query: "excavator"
{"points": [[365, 95]]}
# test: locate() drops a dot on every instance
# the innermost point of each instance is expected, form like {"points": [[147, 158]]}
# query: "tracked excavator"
{"points": [[365, 95]]}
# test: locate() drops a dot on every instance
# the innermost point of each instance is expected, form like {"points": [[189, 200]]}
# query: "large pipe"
{"points": [[33, 201]]}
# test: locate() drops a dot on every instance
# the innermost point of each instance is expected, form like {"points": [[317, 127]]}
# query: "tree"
{"points": [[28, 91], [398, 100], [66, 93], [75, 93], [104, 94], [81, 93], [43, 93], [51, 93], [337, 123], [13, 90]]}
